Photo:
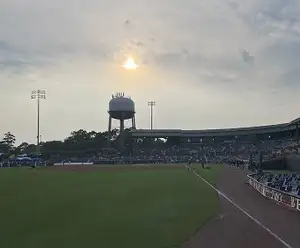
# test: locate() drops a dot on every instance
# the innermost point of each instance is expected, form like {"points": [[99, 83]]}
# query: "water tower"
{"points": [[121, 108]]}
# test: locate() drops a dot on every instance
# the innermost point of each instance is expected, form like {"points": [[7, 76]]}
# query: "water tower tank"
{"points": [[121, 107]]}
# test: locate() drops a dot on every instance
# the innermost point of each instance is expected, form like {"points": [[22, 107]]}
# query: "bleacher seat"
{"points": [[284, 182]]}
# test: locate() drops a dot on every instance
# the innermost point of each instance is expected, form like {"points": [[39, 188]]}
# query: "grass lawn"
{"points": [[137, 208]]}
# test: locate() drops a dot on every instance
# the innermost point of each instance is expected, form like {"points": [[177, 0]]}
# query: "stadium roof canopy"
{"points": [[256, 130], [294, 122]]}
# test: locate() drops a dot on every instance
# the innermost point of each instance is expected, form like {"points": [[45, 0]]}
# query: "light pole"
{"points": [[151, 104], [37, 95]]}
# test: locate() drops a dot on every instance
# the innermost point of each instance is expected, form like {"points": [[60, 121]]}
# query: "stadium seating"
{"points": [[287, 182]]}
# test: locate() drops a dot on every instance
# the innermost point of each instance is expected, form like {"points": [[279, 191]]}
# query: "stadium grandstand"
{"points": [[257, 133]]}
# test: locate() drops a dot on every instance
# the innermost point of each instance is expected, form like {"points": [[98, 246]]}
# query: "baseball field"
{"points": [[117, 206]]}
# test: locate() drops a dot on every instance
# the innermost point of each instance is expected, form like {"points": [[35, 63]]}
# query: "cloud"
{"points": [[196, 51], [233, 5], [283, 54], [127, 22], [4, 46], [291, 78], [247, 58]]}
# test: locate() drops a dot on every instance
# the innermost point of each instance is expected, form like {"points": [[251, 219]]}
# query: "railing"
{"points": [[74, 163], [287, 199]]}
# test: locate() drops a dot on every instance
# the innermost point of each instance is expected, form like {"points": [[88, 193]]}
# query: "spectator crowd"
{"points": [[235, 152], [287, 182], [219, 152]]}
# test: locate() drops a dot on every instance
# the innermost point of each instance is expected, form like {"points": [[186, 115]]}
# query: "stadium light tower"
{"points": [[38, 95], [151, 104]]}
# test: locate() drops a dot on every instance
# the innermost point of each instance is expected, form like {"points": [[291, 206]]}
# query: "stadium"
{"points": [[236, 187], [279, 131]]}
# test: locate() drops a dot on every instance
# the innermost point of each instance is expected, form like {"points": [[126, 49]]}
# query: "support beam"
{"points": [[109, 132]]}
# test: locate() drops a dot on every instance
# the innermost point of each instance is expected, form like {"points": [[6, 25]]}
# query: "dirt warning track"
{"points": [[232, 228]]}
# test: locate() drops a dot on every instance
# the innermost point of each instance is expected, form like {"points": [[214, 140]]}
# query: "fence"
{"points": [[279, 196], [74, 163]]}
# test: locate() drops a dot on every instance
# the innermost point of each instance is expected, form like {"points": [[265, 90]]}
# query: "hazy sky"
{"points": [[206, 63]]}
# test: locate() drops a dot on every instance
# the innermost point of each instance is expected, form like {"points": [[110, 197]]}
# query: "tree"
{"points": [[9, 139], [52, 148], [30, 149], [4, 148], [80, 143], [20, 149], [100, 140], [23, 146]]}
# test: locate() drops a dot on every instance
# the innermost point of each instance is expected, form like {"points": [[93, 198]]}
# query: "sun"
{"points": [[130, 64]]}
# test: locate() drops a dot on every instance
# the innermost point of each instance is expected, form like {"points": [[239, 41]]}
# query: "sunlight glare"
{"points": [[130, 64]]}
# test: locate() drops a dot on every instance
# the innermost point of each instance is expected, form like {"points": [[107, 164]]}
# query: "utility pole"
{"points": [[37, 95], [151, 104]]}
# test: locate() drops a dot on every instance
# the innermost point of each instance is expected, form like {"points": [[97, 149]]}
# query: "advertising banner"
{"points": [[281, 197]]}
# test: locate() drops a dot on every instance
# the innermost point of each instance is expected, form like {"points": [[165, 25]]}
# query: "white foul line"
{"points": [[244, 211]]}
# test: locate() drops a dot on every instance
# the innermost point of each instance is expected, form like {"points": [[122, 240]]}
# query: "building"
{"points": [[278, 131]]}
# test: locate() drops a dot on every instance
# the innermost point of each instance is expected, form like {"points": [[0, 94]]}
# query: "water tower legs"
{"points": [[133, 140], [133, 122], [109, 132], [121, 137]]}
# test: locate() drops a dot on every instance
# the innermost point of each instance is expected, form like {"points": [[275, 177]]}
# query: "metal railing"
{"points": [[284, 198]]}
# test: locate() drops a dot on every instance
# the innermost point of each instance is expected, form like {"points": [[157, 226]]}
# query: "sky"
{"points": [[206, 63]]}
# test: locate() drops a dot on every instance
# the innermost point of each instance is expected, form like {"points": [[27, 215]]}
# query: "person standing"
{"points": [[189, 164], [203, 162], [260, 162], [33, 166], [250, 163]]}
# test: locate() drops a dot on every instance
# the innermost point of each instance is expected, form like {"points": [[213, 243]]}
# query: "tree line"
{"points": [[80, 143]]}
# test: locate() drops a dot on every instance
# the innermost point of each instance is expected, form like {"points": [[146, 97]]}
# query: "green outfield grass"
{"points": [[130, 209]]}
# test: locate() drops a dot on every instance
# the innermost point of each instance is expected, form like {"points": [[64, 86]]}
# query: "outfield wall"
{"points": [[276, 195], [289, 162], [293, 162], [135, 161], [74, 163], [275, 164]]}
